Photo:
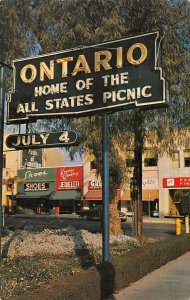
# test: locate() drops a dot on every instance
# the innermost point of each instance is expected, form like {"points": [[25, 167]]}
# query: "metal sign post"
{"points": [[105, 186], [2, 108], [1, 148]]}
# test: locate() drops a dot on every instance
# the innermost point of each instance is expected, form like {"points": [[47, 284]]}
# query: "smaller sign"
{"points": [[31, 158], [36, 186], [69, 178], [176, 182], [95, 184], [149, 183], [42, 140]]}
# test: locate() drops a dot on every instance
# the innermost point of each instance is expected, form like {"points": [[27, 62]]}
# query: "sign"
{"points": [[37, 175], [69, 178], [42, 140], [149, 183], [176, 182], [94, 184], [31, 158], [36, 186], [115, 75]]}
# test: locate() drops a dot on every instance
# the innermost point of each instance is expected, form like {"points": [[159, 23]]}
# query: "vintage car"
{"points": [[96, 214]]}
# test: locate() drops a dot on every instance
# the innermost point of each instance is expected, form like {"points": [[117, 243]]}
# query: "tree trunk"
{"points": [[115, 222]]}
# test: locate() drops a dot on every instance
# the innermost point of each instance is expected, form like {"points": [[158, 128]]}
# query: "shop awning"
{"points": [[150, 195], [33, 195], [147, 195], [125, 195], [93, 195], [66, 195]]}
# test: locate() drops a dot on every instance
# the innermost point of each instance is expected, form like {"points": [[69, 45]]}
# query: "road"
{"points": [[150, 229]]}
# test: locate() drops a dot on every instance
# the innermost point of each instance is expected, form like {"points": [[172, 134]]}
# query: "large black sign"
{"points": [[42, 140], [115, 75]]}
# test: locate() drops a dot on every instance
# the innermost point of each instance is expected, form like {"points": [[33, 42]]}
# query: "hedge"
{"points": [[101, 281]]}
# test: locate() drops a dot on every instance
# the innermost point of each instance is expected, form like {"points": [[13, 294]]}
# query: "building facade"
{"points": [[14, 160], [43, 183], [9, 186], [165, 179], [174, 181]]}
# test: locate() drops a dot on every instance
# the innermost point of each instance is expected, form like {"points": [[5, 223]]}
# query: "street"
{"points": [[152, 228]]}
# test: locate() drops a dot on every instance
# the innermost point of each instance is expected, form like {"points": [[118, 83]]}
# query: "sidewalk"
{"points": [[162, 220], [170, 282]]}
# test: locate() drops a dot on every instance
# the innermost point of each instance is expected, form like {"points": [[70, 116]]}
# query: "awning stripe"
{"points": [[93, 195], [147, 195]]}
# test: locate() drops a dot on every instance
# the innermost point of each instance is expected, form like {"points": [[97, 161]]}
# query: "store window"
{"points": [[4, 161], [93, 166], [186, 158], [175, 159], [93, 163], [150, 158], [130, 158]]}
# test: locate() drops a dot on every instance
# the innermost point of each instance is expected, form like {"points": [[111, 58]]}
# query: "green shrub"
{"points": [[100, 281]]}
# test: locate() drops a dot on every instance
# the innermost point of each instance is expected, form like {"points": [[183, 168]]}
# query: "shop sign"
{"points": [[176, 182], [31, 158], [149, 183], [111, 76], [36, 186], [94, 184], [42, 140], [37, 175], [69, 178]]}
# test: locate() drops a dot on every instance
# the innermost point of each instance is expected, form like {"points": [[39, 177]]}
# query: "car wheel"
{"points": [[84, 218]]}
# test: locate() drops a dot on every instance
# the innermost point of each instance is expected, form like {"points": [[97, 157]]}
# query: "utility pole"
{"points": [[2, 111]]}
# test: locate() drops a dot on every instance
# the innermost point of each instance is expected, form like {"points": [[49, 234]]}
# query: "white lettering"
{"points": [[29, 174], [115, 79], [128, 94], [69, 102], [44, 137], [50, 89]]}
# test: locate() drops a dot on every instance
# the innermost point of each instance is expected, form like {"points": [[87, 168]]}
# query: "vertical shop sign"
{"points": [[31, 158]]}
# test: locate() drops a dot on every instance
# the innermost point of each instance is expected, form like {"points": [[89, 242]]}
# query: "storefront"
{"points": [[69, 188], [178, 187], [94, 194], [46, 189], [35, 189], [150, 196]]}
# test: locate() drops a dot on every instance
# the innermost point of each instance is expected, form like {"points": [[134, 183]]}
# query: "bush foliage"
{"points": [[102, 280]]}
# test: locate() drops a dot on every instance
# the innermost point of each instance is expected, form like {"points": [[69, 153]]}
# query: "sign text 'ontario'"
{"points": [[111, 76]]}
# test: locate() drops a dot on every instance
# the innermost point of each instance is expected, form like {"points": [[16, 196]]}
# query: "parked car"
{"points": [[154, 213], [129, 213], [96, 214]]}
